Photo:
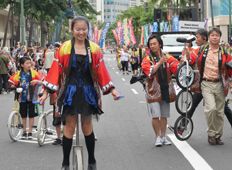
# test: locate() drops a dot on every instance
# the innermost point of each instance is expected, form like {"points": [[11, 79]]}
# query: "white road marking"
{"points": [[110, 65], [108, 59], [135, 92], [197, 162], [115, 59], [123, 79], [116, 72], [113, 68]]}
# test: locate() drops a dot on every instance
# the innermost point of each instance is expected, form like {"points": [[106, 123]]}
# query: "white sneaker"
{"points": [[165, 141], [158, 141]]}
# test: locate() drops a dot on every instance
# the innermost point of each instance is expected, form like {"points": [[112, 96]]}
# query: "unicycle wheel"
{"points": [[41, 129], [181, 76], [181, 102], [15, 126], [182, 131], [78, 159]]}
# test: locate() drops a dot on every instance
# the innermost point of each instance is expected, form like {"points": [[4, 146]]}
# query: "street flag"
{"points": [[206, 20], [145, 35], [165, 27], [99, 36], [132, 36], [96, 34], [128, 35], [142, 36], [150, 29], [73, 13], [127, 41], [122, 38], [90, 32], [115, 35], [175, 23], [104, 34], [119, 28], [162, 26], [155, 27]]}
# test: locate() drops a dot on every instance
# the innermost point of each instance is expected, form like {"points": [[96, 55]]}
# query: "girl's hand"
{"points": [[115, 94], [34, 82], [44, 97]]}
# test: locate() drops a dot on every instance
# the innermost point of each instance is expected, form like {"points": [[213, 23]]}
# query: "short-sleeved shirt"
{"points": [[211, 70], [124, 56], [25, 85]]}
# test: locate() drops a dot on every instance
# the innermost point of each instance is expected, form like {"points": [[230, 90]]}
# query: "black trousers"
{"points": [[3, 81], [124, 65], [197, 97]]}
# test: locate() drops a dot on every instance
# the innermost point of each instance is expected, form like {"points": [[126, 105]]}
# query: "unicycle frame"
{"points": [[76, 148]]}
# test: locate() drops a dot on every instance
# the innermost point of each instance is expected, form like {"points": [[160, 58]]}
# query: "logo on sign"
{"points": [[175, 19]]}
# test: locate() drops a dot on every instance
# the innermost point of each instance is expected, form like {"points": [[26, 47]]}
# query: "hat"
{"points": [[57, 44], [134, 47], [8, 52]]}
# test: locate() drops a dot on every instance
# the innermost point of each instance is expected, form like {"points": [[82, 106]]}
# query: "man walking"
{"points": [[214, 83], [3, 71], [159, 87]]}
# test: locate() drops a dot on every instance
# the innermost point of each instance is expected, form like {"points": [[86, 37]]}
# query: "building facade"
{"points": [[221, 16], [98, 5], [3, 21]]}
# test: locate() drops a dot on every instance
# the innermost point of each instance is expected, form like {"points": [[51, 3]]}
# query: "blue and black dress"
{"points": [[80, 96]]}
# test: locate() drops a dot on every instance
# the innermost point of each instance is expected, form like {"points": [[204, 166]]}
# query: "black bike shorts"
{"points": [[27, 109]]}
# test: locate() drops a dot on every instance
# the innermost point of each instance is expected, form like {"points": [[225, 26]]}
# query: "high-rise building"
{"points": [[98, 5]]}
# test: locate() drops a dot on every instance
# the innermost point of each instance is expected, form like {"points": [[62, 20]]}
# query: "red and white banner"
{"points": [[115, 35], [132, 36], [96, 34], [119, 28]]}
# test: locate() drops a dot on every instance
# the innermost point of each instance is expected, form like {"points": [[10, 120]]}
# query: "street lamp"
{"points": [[22, 23]]}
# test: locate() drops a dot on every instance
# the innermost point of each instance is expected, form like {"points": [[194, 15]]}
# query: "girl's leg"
{"points": [[68, 138], [31, 123], [24, 120], [89, 137], [126, 64]]}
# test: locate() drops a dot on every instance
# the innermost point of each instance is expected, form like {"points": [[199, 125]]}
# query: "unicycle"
{"points": [[44, 126], [78, 161], [14, 124], [183, 127]]}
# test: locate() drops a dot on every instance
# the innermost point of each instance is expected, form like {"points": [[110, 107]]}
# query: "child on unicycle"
{"points": [[26, 79]]}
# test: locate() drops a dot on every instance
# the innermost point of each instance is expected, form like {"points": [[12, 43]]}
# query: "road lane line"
{"points": [[113, 68], [135, 92], [116, 72], [123, 79], [197, 162]]}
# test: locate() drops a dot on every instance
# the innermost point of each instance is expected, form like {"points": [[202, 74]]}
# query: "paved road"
{"points": [[126, 140]]}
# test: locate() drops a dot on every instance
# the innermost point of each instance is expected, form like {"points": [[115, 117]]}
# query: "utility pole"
{"points": [[22, 23]]}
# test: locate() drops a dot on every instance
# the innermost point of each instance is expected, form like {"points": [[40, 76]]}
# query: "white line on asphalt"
{"points": [[116, 72], [113, 68], [135, 92], [115, 59], [190, 154], [123, 79]]}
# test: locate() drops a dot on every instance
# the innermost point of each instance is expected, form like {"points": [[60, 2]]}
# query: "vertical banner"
{"points": [[165, 27], [161, 26], [146, 35], [119, 28], [128, 35], [155, 27], [122, 38], [115, 35], [90, 32], [70, 25], [127, 41], [142, 36], [150, 29], [175, 23], [132, 36], [96, 34], [206, 20], [104, 34], [99, 36]]}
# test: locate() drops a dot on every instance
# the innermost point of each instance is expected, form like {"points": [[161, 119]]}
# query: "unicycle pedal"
{"points": [[49, 133]]}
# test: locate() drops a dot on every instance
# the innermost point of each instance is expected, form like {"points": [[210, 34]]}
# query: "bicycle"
{"points": [[14, 124], [185, 75], [45, 127]]}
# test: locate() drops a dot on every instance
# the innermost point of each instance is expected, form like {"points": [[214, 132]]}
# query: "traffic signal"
{"points": [[158, 15], [193, 14]]}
